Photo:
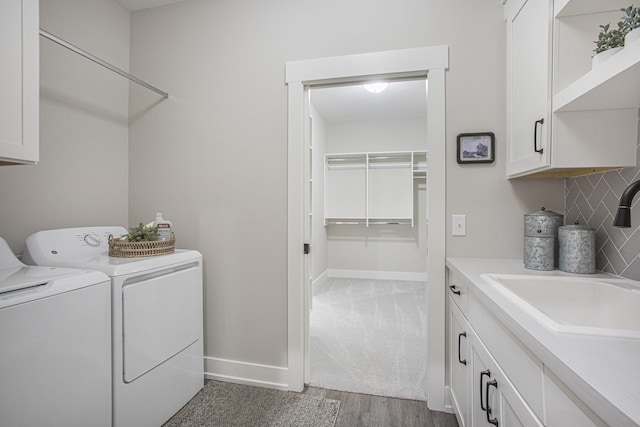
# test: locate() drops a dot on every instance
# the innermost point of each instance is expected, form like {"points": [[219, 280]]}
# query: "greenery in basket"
{"points": [[631, 18], [610, 38], [142, 233]]}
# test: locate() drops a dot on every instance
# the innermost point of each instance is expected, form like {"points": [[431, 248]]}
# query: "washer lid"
{"points": [[16, 278], [14, 275]]}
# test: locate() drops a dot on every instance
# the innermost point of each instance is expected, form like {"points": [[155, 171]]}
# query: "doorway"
{"points": [[300, 77], [367, 323]]}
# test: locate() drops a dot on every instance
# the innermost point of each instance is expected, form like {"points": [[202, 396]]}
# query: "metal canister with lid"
{"points": [[577, 249], [541, 239]]}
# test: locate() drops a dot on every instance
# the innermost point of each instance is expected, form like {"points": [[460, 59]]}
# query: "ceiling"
{"points": [[133, 5], [400, 100]]}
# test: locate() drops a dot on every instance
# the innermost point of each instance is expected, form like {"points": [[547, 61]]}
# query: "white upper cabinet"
{"points": [[19, 85], [563, 117], [528, 85]]}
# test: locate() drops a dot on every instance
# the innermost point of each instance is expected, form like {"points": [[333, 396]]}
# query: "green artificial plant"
{"points": [[610, 38], [631, 18], [142, 233]]}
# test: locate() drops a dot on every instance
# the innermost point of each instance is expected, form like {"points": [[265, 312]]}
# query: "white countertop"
{"points": [[602, 371]]}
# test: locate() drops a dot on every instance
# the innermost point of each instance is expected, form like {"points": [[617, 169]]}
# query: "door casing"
{"points": [[300, 76]]}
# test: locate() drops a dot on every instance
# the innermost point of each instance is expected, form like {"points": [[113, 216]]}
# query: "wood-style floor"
{"points": [[364, 410]]}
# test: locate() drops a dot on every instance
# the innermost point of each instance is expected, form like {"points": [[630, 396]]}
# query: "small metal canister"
{"points": [[541, 239], [577, 249]]}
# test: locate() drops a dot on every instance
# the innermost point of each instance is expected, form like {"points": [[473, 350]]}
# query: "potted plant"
{"points": [[610, 41], [631, 21]]}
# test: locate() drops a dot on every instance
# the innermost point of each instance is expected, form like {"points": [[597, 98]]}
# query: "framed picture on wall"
{"points": [[476, 147]]}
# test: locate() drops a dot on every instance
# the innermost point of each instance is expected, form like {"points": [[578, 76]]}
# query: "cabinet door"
{"points": [[19, 84], [459, 363], [483, 371], [513, 410], [529, 27], [495, 401]]}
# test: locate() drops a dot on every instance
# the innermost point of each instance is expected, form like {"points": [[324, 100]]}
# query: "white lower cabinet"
{"points": [[494, 379], [480, 351]]}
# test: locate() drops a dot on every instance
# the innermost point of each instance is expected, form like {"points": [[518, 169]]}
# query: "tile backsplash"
{"points": [[593, 200]]}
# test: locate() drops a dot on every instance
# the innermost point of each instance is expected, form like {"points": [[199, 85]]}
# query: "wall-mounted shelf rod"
{"points": [[99, 61]]}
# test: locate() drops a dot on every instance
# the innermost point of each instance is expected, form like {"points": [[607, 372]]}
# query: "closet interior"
{"points": [[369, 227]]}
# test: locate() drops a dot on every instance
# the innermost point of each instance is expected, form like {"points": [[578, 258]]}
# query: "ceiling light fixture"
{"points": [[376, 87]]}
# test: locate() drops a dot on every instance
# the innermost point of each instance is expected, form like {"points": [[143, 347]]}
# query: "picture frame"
{"points": [[476, 147]]}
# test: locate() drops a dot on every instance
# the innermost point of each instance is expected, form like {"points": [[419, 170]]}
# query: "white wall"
{"points": [[379, 135], [396, 248], [214, 156], [82, 176], [319, 263]]}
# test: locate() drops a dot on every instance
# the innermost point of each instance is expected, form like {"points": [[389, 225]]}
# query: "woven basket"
{"points": [[123, 249]]}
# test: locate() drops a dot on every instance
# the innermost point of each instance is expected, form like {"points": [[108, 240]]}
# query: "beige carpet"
{"points": [[227, 404], [369, 336]]}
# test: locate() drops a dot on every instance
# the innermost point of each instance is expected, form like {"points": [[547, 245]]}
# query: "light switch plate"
{"points": [[459, 225]]}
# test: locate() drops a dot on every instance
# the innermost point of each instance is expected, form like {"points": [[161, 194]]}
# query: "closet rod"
{"points": [[99, 61]]}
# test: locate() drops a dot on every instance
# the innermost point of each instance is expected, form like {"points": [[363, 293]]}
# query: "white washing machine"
{"points": [[157, 305], [55, 345]]}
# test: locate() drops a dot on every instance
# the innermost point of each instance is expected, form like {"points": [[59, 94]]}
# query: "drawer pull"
{"points": [[490, 420], [454, 290], [482, 374], [535, 136], [460, 335]]}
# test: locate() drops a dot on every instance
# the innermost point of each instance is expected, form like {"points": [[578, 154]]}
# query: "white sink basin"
{"points": [[609, 307]]}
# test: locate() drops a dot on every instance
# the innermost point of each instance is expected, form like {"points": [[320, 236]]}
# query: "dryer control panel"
{"points": [[47, 246]]}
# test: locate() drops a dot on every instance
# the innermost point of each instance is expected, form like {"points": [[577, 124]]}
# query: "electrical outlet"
{"points": [[459, 225]]}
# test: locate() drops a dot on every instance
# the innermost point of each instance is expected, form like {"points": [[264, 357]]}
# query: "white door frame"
{"points": [[416, 62]]}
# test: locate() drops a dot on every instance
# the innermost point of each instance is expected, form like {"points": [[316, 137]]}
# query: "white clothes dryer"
{"points": [[157, 312], [55, 345]]}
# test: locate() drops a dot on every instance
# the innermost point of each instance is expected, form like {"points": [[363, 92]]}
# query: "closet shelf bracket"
{"points": [[99, 61]]}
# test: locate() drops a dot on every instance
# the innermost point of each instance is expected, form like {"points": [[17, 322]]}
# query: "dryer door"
{"points": [[162, 315]]}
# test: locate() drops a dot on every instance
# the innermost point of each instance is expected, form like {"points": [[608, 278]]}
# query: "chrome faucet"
{"points": [[623, 215]]}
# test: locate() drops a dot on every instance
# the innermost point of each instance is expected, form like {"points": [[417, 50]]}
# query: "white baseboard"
{"points": [[381, 275], [246, 373], [448, 406]]}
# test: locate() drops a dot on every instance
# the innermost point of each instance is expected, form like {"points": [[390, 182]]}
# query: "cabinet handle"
{"points": [[490, 420], [454, 290], [482, 374], [535, 136], [460, 335]]}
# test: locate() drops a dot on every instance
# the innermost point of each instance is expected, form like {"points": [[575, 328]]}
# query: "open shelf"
{"points": [[563, 8], [612, 85]]}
